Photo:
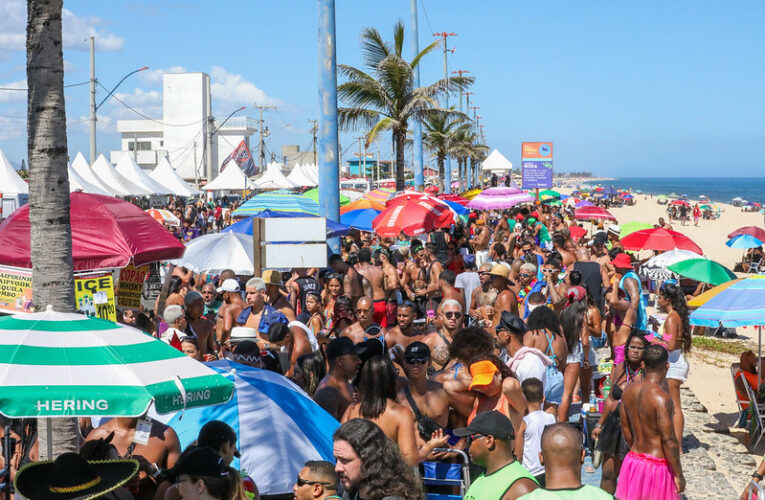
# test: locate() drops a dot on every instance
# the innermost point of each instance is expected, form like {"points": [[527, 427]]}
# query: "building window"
{"points": [[161, 143], [142, 145]]}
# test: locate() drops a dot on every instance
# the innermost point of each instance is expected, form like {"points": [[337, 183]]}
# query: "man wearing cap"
{"points": [[230, 310], [450, 315], [335, 392], [525, 362], [629, 283], [491, 435], [259, 314], [357, 331], [274, 295], [614, 233], [506, 299]]}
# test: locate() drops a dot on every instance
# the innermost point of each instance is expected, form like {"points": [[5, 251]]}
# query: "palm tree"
{"points": [[384, 97], [439, 132], [50, 230], [466, 148]]}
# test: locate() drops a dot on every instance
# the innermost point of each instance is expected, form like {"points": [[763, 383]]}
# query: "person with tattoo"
{"points": [[450, 316]]}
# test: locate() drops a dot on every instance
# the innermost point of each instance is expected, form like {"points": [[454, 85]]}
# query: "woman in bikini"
{"points": [[546, 335], [329, 295], [313, 306], [623, 317], [496, 389]]}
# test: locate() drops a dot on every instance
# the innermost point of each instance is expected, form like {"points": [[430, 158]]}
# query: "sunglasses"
{"points": [[302, 482], [527, 250], [550, 271], [417, 361], [455, 315], [525, 275], [473, 437]]}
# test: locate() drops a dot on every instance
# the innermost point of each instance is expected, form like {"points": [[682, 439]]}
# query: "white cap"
{"points": [[240, 333], [230, 285], [615, 228]]}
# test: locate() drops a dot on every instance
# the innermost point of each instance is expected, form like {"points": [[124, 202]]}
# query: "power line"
{"points": [[427, 19], [148, 117], [65, 86]]}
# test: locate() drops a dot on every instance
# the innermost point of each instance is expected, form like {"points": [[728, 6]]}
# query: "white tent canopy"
{"points": [[128, 168], [312, 171], [299, 177], [114, 181], [10, 181], [496, 161], [274, 179], [78, 183], [230, 179], [80, 165], [166, 175]]}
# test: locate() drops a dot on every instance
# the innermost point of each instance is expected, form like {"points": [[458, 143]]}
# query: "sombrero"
{"points": [[71, 477]]}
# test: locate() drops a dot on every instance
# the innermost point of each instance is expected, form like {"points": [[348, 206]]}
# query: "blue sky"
{"points": [[624, 89]]}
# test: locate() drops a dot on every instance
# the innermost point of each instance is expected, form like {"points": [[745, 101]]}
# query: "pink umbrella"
{"points": [[593, 212], [499, 197]]}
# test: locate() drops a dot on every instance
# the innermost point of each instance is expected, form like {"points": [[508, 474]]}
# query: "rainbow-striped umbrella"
{"points": [[740, 304], [278, 201], [380, 195]]}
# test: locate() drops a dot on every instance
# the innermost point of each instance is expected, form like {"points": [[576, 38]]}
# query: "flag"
{"points": [[241, 155]]}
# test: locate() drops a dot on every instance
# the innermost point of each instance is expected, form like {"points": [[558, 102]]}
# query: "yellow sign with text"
{"points": [[94, 294], [130, 286], [15, 290]]}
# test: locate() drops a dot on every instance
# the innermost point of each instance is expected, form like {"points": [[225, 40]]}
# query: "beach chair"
{"points": [[754, 267], [756, 423], [447, 474], [734, 368], [754, 491]]}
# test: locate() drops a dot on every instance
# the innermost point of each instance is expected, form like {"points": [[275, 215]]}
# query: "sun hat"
{"points": [[615, 229], [483, 373], [240, 333], [272, 277], [502, 271], [70, 476], [622, 261]]}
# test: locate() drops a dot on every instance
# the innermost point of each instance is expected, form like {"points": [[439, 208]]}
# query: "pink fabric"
{"points": [[645, 477], [619, 354], [527, 351]]}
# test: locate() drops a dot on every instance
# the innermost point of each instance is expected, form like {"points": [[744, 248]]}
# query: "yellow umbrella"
{"points": [[471, 194], [704, 297]]}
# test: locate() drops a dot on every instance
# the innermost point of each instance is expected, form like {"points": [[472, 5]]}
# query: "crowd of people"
{"points": [[488, 337]]}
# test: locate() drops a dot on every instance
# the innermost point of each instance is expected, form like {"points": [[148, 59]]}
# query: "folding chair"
{"points": [[756, 423], [447, 474], [734, 368]]}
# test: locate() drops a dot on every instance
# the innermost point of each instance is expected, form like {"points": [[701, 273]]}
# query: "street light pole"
{"points": [[419, 178], [92, 100], [448, 170], [329, 187], [460, 72]]}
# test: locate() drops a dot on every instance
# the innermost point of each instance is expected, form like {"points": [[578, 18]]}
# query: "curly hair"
{"points": [[676, 297], [469, 342], [383, 470], [543, 318]]}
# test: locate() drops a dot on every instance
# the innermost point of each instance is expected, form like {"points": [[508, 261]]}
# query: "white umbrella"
{"points": [[656, 267], [214, 253]]}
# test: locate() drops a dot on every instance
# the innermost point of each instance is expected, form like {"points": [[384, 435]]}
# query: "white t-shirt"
{"points": [[536, 422], [468, 282], [530, 366]]}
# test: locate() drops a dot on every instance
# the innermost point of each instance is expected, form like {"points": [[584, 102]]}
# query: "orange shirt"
{"points": [[751, 379]]}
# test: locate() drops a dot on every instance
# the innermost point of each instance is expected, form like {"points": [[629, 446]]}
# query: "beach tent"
{"points": [[274, 179], [231, 178], [300, 177], [81, 166], [116, 183], [166, 175], [496, 161], [78, 183], [11, 182], [128, 168]]}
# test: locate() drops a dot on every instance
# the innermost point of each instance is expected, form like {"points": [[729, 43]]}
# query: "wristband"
{"points": [[757, 476], [598, 426]]}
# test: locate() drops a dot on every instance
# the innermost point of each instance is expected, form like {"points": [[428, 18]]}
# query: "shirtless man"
{"points": [[483, 296], [390, 274], [230, 309], [430, 273], [413, 268], [162, 449], [554, 289], [559, 244], [198, 325], [404, 333], [335, 393], [450, 316], [446, 282], [664, 225], [376, 278], [259, 314], [357, 332], [480, 242], [506, 299], [274, 296], [353, 285], [653, 463]]}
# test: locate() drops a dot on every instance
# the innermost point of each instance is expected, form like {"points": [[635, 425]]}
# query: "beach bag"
{"points": [[426, 426]]}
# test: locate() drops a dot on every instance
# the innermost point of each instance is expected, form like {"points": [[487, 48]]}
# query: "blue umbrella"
{"points": [[610, 191], [245, 225], [279, 201], [359, 219], [456, 207], [741, 304], [583, 203], [278, 426], [744, 241]]}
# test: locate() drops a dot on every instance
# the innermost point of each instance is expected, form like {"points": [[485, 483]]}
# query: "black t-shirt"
{"points": [[592, 278]]}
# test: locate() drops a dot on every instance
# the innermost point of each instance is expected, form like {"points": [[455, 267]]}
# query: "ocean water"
{"points": [[721, 189]]}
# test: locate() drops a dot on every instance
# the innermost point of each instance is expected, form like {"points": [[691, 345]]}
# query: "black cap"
{"points": [[417, 349], [200, 461], [371, 347], [512, 323], [340, 347], [490, 423]]}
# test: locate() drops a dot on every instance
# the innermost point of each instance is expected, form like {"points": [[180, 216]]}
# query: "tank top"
{"points": [[501, 407], [641, 323], [305, 285], [439, 240], [592, 279], [493, 486]]}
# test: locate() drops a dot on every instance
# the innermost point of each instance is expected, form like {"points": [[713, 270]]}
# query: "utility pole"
{"points": [[329, 188], [360, 138], [314, 129], [467, 99], [92, 99], [448, 170], [209, 135], [377, 161], [460, 72], [419, 178], [196, 168], [475, 111], [262, 144]]}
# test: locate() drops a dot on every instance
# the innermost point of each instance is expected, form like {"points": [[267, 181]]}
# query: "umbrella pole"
{"points": [[759, 356], [49, 437]]}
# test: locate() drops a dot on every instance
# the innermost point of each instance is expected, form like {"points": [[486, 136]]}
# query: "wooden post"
{"points": [[257, 236]]}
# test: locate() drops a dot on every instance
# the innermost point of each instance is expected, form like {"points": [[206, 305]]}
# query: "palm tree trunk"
{"points": [[400, 137], [50, 230], [461, 164], [440, 180]]}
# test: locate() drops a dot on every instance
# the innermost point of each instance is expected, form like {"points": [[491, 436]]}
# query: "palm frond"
{"points": [[381, 126], [427, 50], [363, 95], [398, 38], [356, 118], [373, 47]]}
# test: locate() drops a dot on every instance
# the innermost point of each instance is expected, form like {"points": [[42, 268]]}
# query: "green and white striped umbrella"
{"points": [[65, 365]]}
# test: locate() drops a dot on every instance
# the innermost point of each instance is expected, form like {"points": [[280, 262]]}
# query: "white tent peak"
{"points": [[312, 171], [78, 183], [116, 183], [230, 179], [128, 168], [496, 161], [80, 165], [165, 174], [273, 178], [10, 180], [300, 177]]}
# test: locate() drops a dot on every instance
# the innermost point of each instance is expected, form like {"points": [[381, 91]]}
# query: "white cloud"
{"points": [[76, 29], [147, 102], [231, 89], [14, 95], [154, 76], [12, 128]]}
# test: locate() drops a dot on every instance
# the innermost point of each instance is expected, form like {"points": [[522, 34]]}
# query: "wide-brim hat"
{"points": [[71, 477]]}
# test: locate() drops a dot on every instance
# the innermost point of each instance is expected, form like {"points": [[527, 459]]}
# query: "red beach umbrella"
{"points": [[412, 217], [455, 198], [593, 212], [576, 232], [106, 233], [680, 202], [755, 231], [659, 239]]}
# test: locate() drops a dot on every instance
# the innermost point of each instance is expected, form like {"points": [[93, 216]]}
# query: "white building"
{"points": [[180, 134]]}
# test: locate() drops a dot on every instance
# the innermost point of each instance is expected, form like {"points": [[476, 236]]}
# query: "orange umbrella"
{"points": [[362, 204]]}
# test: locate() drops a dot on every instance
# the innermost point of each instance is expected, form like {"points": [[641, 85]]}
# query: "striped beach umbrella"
{"points": [[362, 204], [278, 201], [740, 304], [164, 216], [67, 365], [381, 195]]}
